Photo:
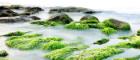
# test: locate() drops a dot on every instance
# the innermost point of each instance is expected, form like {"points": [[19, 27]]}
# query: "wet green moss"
{"points": [[138, 33], [60, 54], [29, 41], [3, 53], [134, 42], [124, 37], [53, 45], [102, 41], [17, 33], [96, 54], [78, 26], [47, 23], [108, 30]]}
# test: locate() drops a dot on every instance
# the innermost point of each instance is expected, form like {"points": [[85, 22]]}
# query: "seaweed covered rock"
{"points": [[3, 53], [138, 33], [47, 23], [95, 54], [60, 54], [76, 25], [89, 19], [134, 42], [102, 41], [63, 18], [116, 24], [30, 41], [108, 30], [17, 33], [52, 45]]}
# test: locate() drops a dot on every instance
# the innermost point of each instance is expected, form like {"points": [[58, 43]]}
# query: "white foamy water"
{"points": [[125, 6]]}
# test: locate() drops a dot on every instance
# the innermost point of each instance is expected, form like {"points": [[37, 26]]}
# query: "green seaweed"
{"points": [[60, 54], [29, 41], [78, 26], [47, 23], [96, 54], [52, 45], [108, 30]]}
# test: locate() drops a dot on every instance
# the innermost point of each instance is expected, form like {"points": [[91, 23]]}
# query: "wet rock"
{"points": [[33, 10], [89, 20], [117, 24], [5, 12], [16, 7], [70, 9], [102, 41], [14, 19], [138, 32], [35, 18], [63, 18], [3, 53]]}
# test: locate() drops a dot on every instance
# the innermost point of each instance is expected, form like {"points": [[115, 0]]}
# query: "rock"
{"points": [[35, 18], [138, 33], [16, 7], [5, 12], [102, 41], [117, 24], [33, 10], [63, 18], [69, 9], [3, 53], [14, 19], [90, 20]]}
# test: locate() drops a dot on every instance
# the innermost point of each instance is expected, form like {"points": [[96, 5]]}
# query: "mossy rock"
{"points": [[134, 42], [96, 54], [30, 41], [17, 33], [89, 19], [63, 18], [124, 37], [3, 53], [52, 45], [47, 23], [102, 41], [116, 24], [60, 54], [138, 33], [77, 26], [108, 30]]}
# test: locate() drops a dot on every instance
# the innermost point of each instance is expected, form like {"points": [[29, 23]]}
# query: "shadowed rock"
{"points": [[70, 9], [63, 18]]}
